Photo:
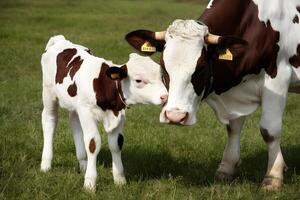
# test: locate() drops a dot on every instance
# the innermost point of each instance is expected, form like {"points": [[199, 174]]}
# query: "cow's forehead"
{"points": [[187, 29]]}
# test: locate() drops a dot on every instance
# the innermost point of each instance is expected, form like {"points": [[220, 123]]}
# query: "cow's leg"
{"points": [[273, 103], [78, 140], [115, 142], [49, 121], [231, 156], [92, 143]]}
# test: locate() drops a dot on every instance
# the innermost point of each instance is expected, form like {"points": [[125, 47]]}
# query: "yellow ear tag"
{"points": [[115, 76], [226, 56], [147, 47]]}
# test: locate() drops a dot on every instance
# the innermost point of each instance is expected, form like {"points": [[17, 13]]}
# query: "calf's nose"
{"points": [[176, 117], [164, 98]]}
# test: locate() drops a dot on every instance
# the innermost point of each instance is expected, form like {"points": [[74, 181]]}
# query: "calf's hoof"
{"points": [[120, 180], [45, 165], [90, 184], [224, 177], [271, 184]]}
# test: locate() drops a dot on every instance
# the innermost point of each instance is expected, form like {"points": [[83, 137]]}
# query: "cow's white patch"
{"points": [[184, 43], [281, 14]]}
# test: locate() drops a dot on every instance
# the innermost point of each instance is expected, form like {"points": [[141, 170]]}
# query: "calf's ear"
{"points": [[117, 73], [145, 42]]}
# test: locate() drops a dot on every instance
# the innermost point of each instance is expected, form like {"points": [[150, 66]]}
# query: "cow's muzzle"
{"points": [[176, 117]]}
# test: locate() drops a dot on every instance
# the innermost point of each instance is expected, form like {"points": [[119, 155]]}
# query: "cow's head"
{"points": [[185, 59], [141, 80]]}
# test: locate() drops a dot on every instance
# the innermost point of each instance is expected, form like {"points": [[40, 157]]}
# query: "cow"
{"points": [[236, 56], [93, 89]]}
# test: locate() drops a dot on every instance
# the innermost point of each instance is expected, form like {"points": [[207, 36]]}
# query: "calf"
{"points": [[94, 89]]}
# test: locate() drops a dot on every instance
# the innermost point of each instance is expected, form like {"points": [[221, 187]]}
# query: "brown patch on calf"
{"points": [[296, 19], [107, 93], [64, 66], [266, 136], [72, 90], [298, 8], [74, 66], [62, 61], [92, 145], [295, 60]]}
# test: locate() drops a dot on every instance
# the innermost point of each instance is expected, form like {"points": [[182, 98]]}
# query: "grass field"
{"points": [[161, 161]]}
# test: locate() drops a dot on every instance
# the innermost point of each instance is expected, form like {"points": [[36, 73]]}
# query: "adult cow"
{"points": [[239, 55]]}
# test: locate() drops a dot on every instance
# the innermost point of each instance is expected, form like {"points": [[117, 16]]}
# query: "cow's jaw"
{"points": [[180, 60]]}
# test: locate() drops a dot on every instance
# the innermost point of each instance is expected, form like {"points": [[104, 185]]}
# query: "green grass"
{"points": [[161, 161]]}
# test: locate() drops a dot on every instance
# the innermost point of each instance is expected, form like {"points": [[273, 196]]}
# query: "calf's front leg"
{"points": [[115, 143], [92, 143]]}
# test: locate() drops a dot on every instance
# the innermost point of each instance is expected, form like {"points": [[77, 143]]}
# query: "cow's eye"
{"points": [[138, 81]]}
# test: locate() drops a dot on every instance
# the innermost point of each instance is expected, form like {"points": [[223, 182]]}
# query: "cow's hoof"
{"points": [[223, 177], [271, 184], [120, 180], [45, 165], [90, 184]]}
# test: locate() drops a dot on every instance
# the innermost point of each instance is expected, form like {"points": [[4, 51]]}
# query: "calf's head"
{"points": [[185, 59], [141, 80]]}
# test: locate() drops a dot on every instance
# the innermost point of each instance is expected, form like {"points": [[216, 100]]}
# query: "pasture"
{"points": [[160, 161]]}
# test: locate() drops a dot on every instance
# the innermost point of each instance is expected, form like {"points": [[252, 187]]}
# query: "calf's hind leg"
{"points": [[49, 121], [78, 140], [231, 156]]}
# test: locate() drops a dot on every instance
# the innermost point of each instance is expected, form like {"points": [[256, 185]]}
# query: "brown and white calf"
{"points": [[237, 56], [94, 89]]}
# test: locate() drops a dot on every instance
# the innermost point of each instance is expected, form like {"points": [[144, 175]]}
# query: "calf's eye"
{"points": [[138, 80]]}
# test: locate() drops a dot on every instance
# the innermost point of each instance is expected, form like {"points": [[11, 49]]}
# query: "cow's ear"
{"points": [[117, 73], [144, 41], [225, 42], [230, 47]]}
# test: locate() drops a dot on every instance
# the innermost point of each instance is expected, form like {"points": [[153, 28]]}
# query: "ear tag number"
{"points": [[226, 56], [147, 47]]}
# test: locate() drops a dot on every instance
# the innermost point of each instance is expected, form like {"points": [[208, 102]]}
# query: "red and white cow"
{"points": [[237, 56], [94, 89]]}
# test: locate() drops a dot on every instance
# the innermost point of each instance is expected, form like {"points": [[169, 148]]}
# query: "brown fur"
{"points": [[295, 60], [107, 93], [241, 19], [92, 145], [72, 90], [296, 19]]}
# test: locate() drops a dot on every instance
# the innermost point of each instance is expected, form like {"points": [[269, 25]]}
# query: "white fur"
{"points": [[84, 112]]}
